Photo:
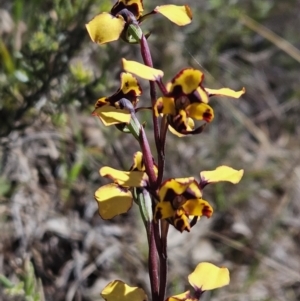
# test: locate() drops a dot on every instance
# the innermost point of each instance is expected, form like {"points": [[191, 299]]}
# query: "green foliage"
{"points": [[29, 287], [37, 74]]}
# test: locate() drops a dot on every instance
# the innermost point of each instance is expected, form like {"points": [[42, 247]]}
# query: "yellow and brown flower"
{"points": [[187, 100], [116, 198], [181, 202], [110, 109]]}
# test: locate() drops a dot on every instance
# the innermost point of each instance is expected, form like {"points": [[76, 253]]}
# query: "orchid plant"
{"points": [[184, 101]]}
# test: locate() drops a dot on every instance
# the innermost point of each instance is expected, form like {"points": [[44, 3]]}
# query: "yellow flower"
{"points": [[110, 110], [205, 277], [116, 198], [107, 27], [181, 202], [187, 99]]}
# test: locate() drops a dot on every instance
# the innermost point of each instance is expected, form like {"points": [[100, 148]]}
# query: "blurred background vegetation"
{"points": [[53, 244]]}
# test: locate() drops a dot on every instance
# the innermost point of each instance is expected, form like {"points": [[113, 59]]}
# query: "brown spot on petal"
{"points": [[170, 195], [207, 116], [159, 107], [180, 225], [207, 211]]}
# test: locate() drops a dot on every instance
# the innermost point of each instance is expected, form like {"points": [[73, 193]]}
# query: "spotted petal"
{"points": [[163, 210], [200, 111], [180, 15], [165, 105], [119, 291], [189, 124], [105, 28], [129, 84], [208, 276], [197, 207], [113, 200], [178, 186], [188, 79]]}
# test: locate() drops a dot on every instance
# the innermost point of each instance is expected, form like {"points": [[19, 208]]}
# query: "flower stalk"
{"points": [[183, 109]]}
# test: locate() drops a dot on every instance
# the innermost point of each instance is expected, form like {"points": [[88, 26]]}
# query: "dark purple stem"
{"points": [[153, 262], [145, 51], [161, 159], [163, 260], [147, 157]]}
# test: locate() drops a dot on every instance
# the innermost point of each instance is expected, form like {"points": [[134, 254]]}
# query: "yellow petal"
{"points": [[203, 95], [225, 92], [198, 207], [181, 221], [222, 173], [174, 132], [163, 210], [181, 297], [165, 105], [142, 70], [112, 200], [130, 84], [105, 28], [190, 125], [180, 15], [200, 111], [138, 163], [188, 79], [110, 115], [119, 291], [207, 276], [101, 102], [124, 178]]}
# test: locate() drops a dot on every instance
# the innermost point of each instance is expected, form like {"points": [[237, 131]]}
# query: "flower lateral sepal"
{"points": [[206, 276], [113, 200], [225, 92], [105, 28], [220, 174], [180, 15], [117, 290]]}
